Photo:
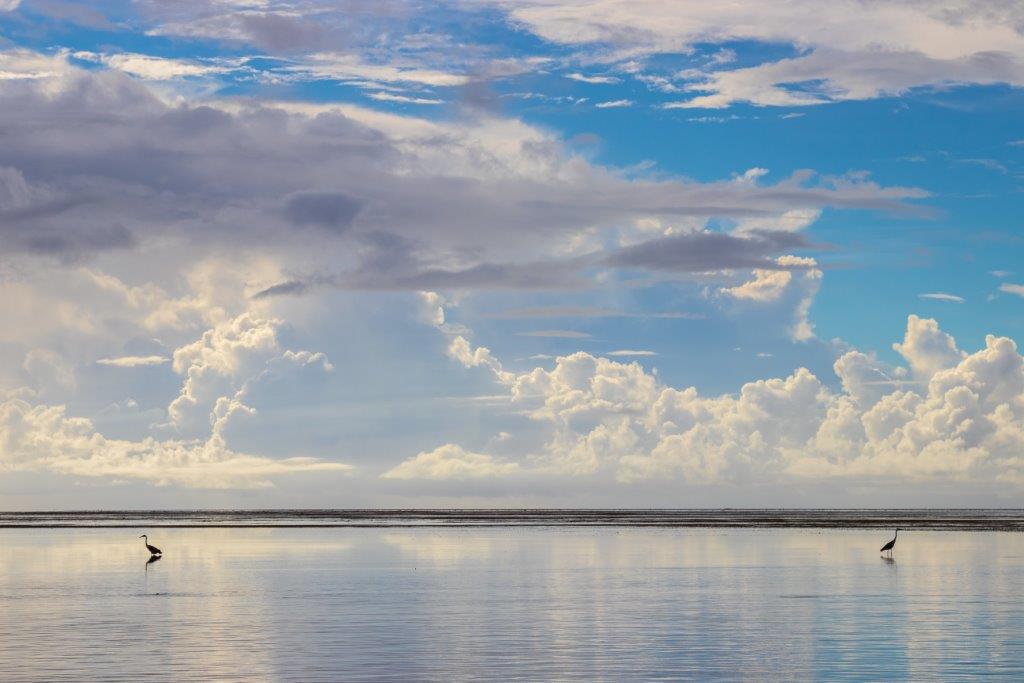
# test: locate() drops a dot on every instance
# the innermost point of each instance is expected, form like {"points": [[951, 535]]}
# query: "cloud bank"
{"points": [[959, 420]]}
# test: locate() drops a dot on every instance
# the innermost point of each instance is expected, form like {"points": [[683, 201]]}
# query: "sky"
{"points": [[543, 253]]}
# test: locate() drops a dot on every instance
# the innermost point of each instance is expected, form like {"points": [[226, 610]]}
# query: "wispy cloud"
{"points": [[602, 80], [632, 352], [587, 312], [614, 104], [403, 99], [351, 67], [133, 361], [154, 68], [990, 164], [1016, 290], [556, 334], [943, 296]]}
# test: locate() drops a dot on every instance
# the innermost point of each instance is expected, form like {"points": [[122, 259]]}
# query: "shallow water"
{"points": [[509, 603]]}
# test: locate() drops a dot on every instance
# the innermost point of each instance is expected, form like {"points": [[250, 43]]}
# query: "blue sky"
{"points": [[486, 253]]}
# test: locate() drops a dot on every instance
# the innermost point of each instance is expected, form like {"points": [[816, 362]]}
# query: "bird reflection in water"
{"points": [[152, 559]]}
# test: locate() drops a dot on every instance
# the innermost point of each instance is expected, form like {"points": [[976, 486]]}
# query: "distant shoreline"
{"points": [[728, 518]]}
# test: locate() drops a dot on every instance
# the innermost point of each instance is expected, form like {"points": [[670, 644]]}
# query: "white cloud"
{"points": [[767, 285], [846, 49], [223, 365], [352, 67], [631, 352], [462, 351], [793, 220], [1008, 288], [19, 64], [133, 361], [831, 75], [614, 104], [592, 79], [927, 348], [402, 99], [451, 461], [154, 68], [232, 365], [43, 437], [963, 423], [943, 296], [795, 289]]}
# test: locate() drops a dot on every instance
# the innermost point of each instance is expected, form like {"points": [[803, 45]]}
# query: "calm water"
{"points": [[509, 603]]}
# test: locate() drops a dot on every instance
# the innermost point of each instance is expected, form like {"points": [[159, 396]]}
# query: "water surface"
{"points": [[509, 603]]}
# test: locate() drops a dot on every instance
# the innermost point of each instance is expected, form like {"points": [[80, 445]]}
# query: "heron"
{"points": [[151, 548], [889, 546]]}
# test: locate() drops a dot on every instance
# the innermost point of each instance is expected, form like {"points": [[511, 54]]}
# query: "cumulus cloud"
{"points": [[794, 290], [44, 437], [459, 349], [50, 372], [927, 348], [233, 366], [451, 461], [225, 364], [961, 421]]}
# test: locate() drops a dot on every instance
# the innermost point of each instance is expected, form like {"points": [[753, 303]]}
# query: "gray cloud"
{"points": [[332, 211], [585, 312], [429, 212], [704, 251], [286, 288], [280, 31]]}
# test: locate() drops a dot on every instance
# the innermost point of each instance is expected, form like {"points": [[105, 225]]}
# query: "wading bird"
{"points": [[151, 548], [889, 546]]}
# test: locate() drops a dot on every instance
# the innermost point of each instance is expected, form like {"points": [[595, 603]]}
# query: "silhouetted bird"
{"points": [[151, 548], [891, 544]]}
